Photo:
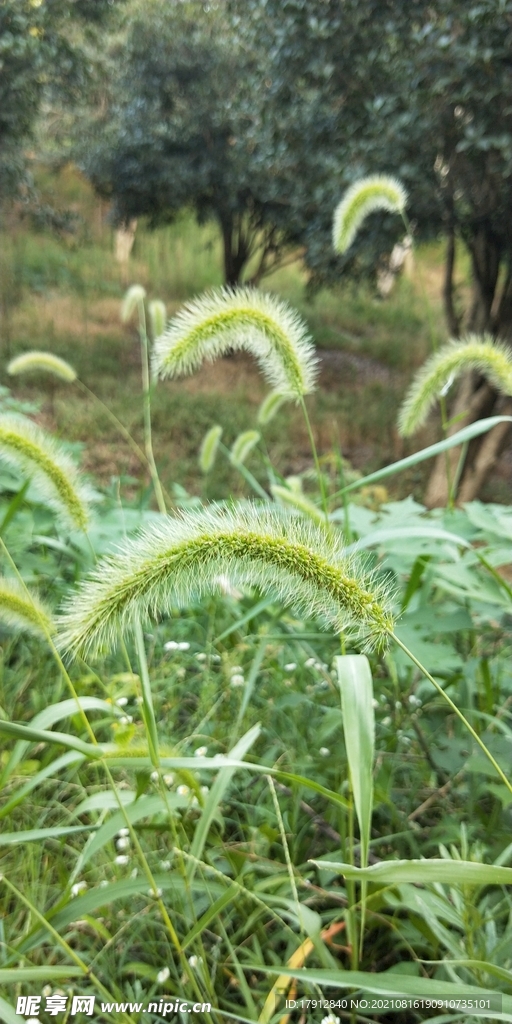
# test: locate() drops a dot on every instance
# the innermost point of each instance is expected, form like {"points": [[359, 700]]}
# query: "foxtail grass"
{"points": [[209, 448], [376, 192], [42, 362], [234, 319], [475, 352], [22, 609], [243, 446], [25, 447], [182, 558]]}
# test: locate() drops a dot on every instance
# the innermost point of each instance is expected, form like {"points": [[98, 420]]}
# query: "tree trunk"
{"points": [[490, 312], [235, 249]]}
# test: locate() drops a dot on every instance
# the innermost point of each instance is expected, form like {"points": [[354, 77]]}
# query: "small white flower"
{"points": [[386, 721], [310, 663], [290, 667], [154, 776], [123, 832], [375, 703], [171, 645], [195, 961], [47, 990], [139, 700], [134, 873], [184, 646], [201, 656], [103, 883], [205, 790], [126, 719], [330, 1019], [122, 860], [32, 1020], [163, 975], [183, 790], [165, 865], [156, 894], [398, 705], [216, 658], [237, 680], [236, 669], [123, 843], [324, 751], [169, 779], [122, 702], [201, 752], [77, 888]]}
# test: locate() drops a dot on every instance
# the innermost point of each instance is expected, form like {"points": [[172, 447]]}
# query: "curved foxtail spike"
{"points": [[157, 317], [182, 558], [28, 449], [269, 407], [209, 447], [23, 610], [41, 362], [235, 319], [243, 446], [135, 294], [376, 192], [474, 352]]}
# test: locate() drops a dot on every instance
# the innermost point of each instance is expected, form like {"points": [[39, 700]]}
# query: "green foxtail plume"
{"points": [[243, 446], [269, 406], [28, 449], [474, 352], [181, 558], [157, 317], [45, 362], [209, 447], [22, 609], [377, 192], [133, 296], [234, 319]]}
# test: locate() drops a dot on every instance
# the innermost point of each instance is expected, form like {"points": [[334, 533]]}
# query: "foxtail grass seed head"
{"points": [[235, 319], [41, 362], [209, 448], [243, 446], [21, 609], [133, 296], [376, 192], [26, 448], [157, 317], [269, 407], [178, 561], [475, 352]]}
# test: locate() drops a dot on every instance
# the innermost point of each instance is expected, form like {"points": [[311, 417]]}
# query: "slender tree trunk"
{"points": [[235, 250], [490, 312]]}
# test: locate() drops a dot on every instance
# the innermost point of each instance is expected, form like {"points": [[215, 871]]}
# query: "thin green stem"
{"points": [[455, 709], [286, 851], [321, 482], [146, 406], [122, 430]]}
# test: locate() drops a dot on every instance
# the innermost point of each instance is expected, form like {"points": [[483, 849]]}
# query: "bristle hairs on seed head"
{"points": [[376, 192], [41, 362], [182, 558], [475, 352], [28, 449], [21, 609], [235, 319]]}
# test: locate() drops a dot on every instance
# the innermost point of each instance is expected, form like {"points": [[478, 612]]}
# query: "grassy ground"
{"points": [[63, 295]]}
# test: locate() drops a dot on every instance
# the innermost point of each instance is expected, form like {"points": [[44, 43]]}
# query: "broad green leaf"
{"points": [[216, 794], [421, 532], [33, 835], [356, 687], [476, 965], [451, 872], [14, 975], [51, 769], [31, 735], [8, 1013], [213, 911], [467, 434]]}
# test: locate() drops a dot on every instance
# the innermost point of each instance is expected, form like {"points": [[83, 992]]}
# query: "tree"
{"points": [[426, 96], [44, 53]]}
